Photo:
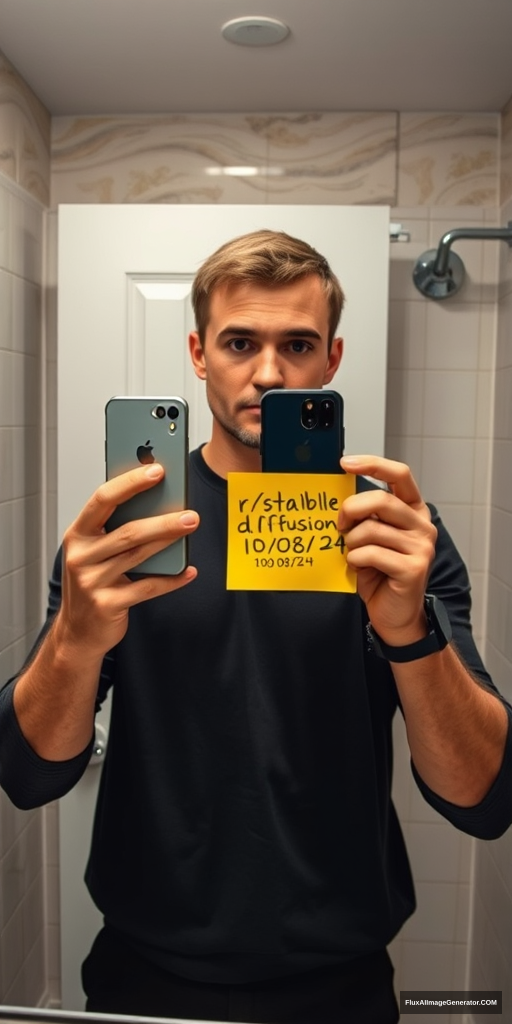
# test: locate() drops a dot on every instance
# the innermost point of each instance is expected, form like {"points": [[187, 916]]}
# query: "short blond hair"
{"points": [[272, 257]]}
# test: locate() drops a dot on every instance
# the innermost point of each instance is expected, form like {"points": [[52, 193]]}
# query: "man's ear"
{"points": [[334, 359], [197, 355]]}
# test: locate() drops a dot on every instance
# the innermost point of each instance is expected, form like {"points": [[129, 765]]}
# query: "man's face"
{"points": [[260, 337]]}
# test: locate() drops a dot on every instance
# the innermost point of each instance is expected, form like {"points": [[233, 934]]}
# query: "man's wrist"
{"points": [[404, 635], [438, 635]]}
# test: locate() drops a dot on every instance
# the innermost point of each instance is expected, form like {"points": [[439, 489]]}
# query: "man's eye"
{"points": [[299, 346], [238, 344]]}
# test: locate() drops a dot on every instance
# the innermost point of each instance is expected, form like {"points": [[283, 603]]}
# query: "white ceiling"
{"points": [[153, 56]]}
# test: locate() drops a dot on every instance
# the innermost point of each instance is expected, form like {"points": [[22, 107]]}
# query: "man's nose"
{"points": [[268, 370]]}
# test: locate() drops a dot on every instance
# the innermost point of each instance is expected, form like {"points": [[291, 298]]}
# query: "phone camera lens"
{"points": [[309, 418], [173, 412], [327, 413], [158, 412]]}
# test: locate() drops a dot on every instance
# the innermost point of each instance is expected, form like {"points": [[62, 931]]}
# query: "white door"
{"points": [[124, 314]]}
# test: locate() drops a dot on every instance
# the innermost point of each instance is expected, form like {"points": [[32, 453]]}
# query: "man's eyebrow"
{"points": [[250, 332]]}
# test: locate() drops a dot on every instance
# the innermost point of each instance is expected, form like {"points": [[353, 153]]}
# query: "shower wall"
{"points": [[24, 195], [491, 942]]}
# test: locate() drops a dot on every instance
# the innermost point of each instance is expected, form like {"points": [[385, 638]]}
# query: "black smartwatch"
{"points": [[438, 636]]}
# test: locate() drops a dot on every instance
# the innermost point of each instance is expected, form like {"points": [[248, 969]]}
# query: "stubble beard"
{"points": [[246, 437], [241, 434]]}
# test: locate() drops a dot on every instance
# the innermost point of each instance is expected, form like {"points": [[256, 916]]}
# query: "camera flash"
{"points": [[172, 428]]}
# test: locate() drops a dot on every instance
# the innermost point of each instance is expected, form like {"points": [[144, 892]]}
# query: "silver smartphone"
{"points": [[139, 431]]}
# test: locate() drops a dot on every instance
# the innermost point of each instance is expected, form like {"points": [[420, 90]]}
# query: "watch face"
{"points": [[438, 618]]}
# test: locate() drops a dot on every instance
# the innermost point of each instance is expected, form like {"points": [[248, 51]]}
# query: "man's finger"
{"points": [[397, 475], [109, 495], [383, 505]]}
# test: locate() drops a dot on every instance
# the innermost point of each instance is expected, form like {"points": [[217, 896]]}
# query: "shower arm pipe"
{"points": [[441, 261]]}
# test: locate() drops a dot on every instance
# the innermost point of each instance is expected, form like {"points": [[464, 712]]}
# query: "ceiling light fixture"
{"points": [[255, 31]]}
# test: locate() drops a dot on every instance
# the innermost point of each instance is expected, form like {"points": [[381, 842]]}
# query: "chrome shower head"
{"points": [[439, 273], [437, 284]]}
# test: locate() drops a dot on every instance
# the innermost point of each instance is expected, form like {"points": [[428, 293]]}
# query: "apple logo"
{"points": [[303, 452], [145, 453]]}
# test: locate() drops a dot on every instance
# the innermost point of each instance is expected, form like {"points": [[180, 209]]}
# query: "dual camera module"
{"points": [[159, 412], [317, 414]]}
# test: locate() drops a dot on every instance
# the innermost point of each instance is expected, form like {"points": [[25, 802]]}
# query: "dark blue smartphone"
{"points": [[301, 431]]}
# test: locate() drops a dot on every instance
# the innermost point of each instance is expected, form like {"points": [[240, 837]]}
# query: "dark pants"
{"points": [[117, 980]]}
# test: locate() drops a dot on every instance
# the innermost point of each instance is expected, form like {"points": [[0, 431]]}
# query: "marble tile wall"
{"points": [[407, 160], [24, 134], [448, 159]]}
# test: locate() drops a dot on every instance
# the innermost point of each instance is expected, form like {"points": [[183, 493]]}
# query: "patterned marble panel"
{"points": [[227, 158], [24, 134], [189, 158], [448, 159], [330, 157], [506, 154]]}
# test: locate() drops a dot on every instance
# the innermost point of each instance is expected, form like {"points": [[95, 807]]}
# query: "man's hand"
{"points": [[54, 699], [391, 545], [97, 594]]}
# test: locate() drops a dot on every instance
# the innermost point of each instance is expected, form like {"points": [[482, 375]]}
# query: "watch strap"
{"points": [[438, 636]]}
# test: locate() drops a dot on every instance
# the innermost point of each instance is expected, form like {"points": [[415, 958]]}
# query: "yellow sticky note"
{"points": [[283, 532]]}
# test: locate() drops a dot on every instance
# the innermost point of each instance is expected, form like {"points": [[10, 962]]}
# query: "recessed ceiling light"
{"points": [[255, 31]]}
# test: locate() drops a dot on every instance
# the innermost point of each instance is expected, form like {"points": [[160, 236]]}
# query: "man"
{"points": [[246, 853]]}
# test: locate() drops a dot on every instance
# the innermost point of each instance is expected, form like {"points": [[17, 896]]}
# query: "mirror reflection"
{"points": [[447, 394]]}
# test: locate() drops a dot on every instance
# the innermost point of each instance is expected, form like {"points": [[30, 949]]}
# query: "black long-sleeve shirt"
{"points": [[244, 826]]}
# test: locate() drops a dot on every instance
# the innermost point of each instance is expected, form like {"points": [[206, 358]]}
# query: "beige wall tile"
{"points": [[405, 402], [488, 336], [11, 953], [479, 553], [457, 519], [459, 975], [447, 474], [427, 966], [162, 159], [330, 157], [448, 159], [506, 154], [434, 851], [25, 134], [436, 914], [499, 615], [407, 328], [500, 669], [408, 450], [449, 403], [453, 336]]}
